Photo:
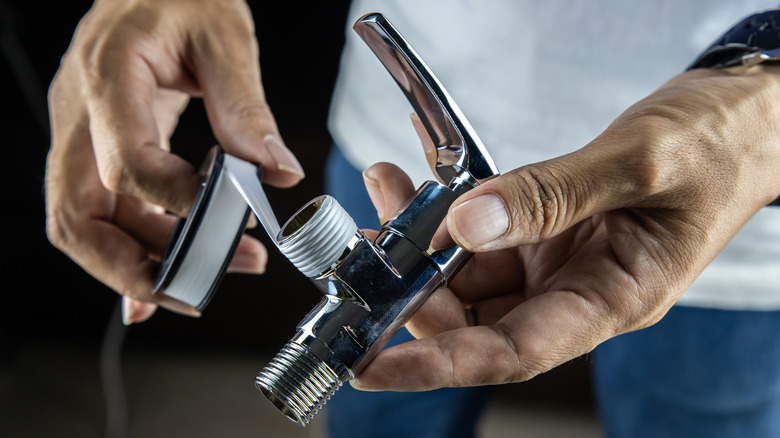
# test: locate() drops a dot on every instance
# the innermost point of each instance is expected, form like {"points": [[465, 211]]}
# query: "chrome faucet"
{"points": [[371, 288]]}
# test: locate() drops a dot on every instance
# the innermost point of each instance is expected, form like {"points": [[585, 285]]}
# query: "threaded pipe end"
{"points": [[317, 235], [298, 383]]}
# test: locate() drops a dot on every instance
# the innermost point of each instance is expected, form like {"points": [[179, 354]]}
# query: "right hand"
{"points": [[129, 72], [581, 248]]}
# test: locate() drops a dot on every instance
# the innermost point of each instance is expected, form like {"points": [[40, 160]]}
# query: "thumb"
{"points": [[539, 201], [389, 188], [228, 71]]}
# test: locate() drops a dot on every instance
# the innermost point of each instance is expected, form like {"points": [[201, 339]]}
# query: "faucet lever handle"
{"points": [[458, 148]]}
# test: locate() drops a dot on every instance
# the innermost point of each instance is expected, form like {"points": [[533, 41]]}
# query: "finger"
{"points": [[250, 257], [147, 223], [117, 259], [441, 312], [134, 311], [489, 275], [482, 292], [431, 154], [540, 201], [491, 310], [441, 239], [370, 234], [144, 231], [226, 66], [536, 336], [80, 211], [168, 107], [389, 188], [123, 108], [79, 214], [152, 229]]}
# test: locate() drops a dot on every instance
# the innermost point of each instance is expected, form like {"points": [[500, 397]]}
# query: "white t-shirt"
{"points": [[541, 79]]}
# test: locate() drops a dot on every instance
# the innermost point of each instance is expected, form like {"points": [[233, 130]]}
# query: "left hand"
{"points": [[128, 74], [576, 250]]}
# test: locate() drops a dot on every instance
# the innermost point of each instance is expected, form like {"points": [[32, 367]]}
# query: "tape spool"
{"points": [[201, 246]]}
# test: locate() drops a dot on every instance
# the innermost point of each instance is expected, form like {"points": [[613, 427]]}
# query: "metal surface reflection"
{"points": [[371, 288]]}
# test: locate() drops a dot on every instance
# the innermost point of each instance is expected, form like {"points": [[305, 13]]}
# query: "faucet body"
{"points": [[376, 288], [371, 288], [369, 293]]}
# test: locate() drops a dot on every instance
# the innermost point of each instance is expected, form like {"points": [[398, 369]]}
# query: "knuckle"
{"points": [[100, 53], [249, 112], [544, 200], [55, 221], [56, 88], [232, 37], [84, 54], [632, 310], [531, 359], [56, 231], [121, 172], [248, 108], [236, 20], [87, 54], [61, 225], [114, 175], [650, 160]]}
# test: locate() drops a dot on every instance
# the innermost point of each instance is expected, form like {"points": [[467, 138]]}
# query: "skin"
{"points": [[129, 72], [599, 242], [594, 244]]}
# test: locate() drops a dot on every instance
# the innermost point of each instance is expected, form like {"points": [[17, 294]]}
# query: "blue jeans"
{"points": [[697, 373]]}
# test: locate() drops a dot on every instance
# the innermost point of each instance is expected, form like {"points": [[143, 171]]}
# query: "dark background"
{"points": [[51, 291], [52, 310]]}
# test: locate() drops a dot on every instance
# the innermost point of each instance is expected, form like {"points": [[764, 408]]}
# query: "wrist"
{"points": [[752, 41]]}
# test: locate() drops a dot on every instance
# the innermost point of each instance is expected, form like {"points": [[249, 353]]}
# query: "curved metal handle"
{"points": [[460, 152]]}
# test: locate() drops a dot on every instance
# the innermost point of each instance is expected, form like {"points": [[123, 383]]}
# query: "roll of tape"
{"points": [[201, 246]]}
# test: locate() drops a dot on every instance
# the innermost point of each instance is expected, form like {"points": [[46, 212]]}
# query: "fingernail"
{"points": [[252, 222], [479, 220], [177, 306], [356, 384], [127, 311], [375, 193], [285, 160]]}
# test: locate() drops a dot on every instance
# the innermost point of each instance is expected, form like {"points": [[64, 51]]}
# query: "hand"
{"points": [[129, 72], [576, 250]]}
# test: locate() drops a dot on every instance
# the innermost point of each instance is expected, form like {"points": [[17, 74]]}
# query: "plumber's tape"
{"points": [[202, 245]]}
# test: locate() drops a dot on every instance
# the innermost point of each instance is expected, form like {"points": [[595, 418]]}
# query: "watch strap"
{"points": [[754, 40]]}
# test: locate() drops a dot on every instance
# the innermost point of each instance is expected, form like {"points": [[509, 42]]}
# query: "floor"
{"points": [[56, 390]]}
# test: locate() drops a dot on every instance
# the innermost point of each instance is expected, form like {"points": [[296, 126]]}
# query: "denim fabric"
{"points": [[697, 373], [443, 413]]}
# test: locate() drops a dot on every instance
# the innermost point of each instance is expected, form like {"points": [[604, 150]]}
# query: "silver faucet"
{"points": [[371, 288]]}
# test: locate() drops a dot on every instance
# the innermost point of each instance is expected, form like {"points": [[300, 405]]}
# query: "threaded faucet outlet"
{"points": [[317, 235]]}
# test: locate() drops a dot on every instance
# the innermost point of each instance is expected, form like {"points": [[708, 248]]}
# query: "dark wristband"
{"points": [[754, 40]]}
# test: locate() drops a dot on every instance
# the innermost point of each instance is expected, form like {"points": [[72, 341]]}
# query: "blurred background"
{"points": [[68, 367]]}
